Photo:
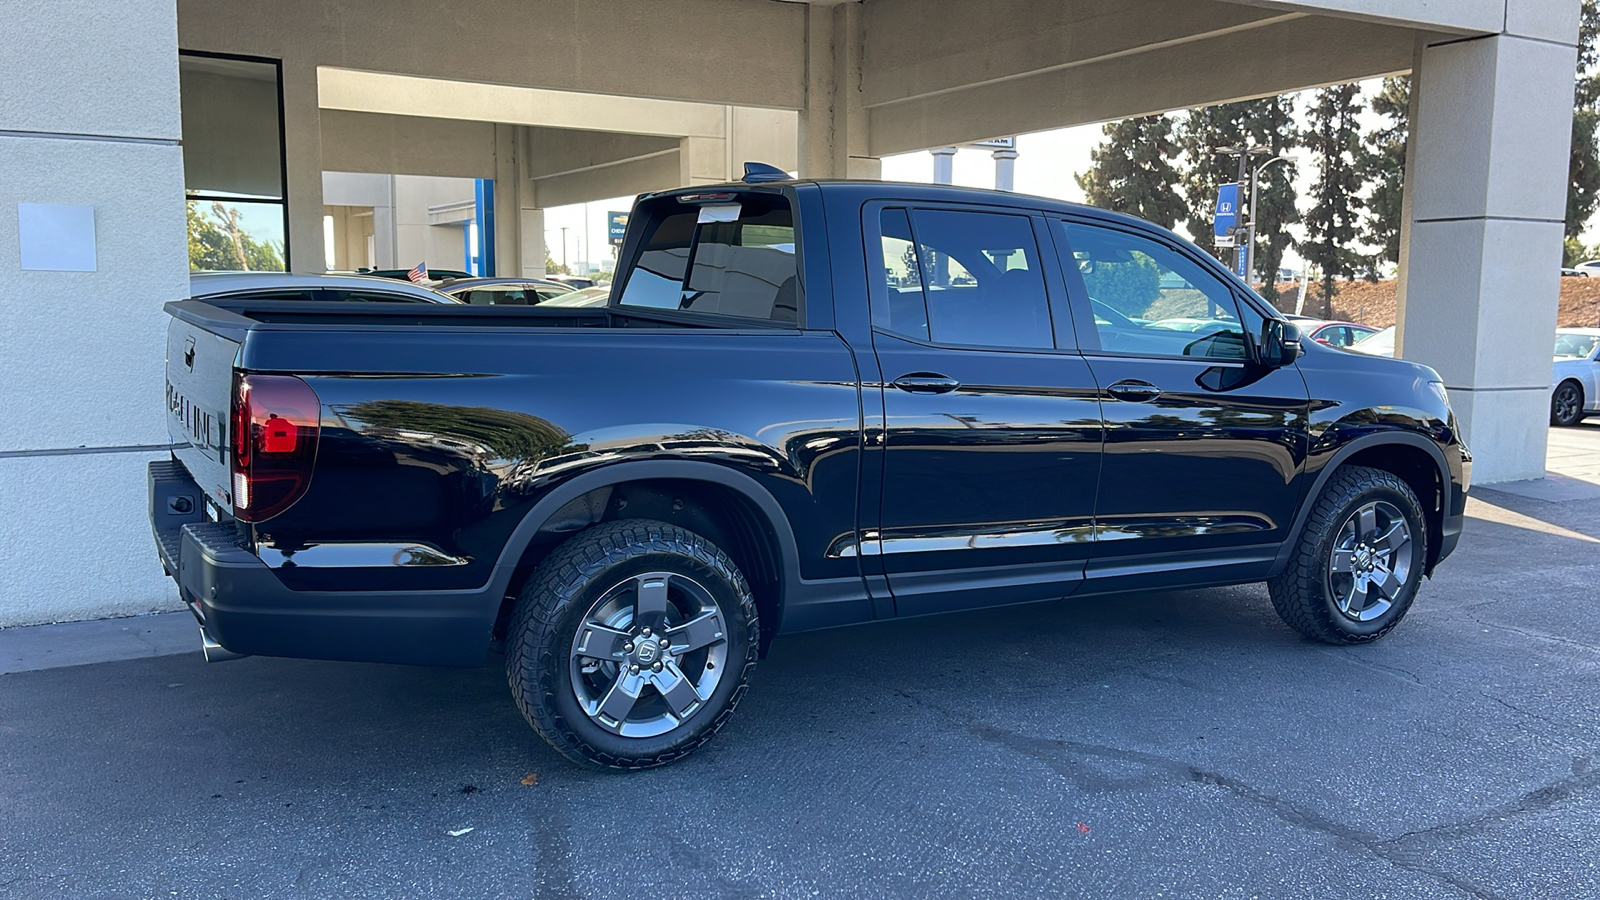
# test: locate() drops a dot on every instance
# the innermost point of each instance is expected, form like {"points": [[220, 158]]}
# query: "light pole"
{"points": [[1250, 252], [1246, 229], [564, 247]]}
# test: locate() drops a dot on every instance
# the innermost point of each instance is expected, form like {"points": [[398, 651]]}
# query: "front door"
{"points": [[992, 426], [1204, 447]]}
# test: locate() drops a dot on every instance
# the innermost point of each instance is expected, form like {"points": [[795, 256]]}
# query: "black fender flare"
{"points": [[653, 470], [1365, 442]]}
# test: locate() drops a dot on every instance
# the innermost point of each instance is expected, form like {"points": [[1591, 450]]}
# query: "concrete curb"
{"points": [[35, 647]]}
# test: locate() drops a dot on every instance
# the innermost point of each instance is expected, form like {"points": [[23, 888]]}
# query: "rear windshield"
{"points": [[738, 256]]}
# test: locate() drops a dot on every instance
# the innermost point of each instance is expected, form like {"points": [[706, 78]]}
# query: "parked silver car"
{"points": [[1575, 388], [300, 286]]}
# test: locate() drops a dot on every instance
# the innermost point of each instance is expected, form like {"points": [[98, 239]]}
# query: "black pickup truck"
{"points": [[808, 404]]}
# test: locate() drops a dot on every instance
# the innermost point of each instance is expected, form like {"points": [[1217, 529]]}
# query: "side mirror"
{"points": [[1280, 343]]}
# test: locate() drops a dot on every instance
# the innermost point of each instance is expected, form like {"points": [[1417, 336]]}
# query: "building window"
{"points": [[233, 169]]}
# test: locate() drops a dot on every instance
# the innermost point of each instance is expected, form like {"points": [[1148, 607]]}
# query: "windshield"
{"points": [[1575, 346]]}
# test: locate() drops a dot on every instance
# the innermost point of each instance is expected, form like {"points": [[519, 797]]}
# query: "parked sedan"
{"points": [[599, 295], [300, 286], [1377, 344], [504, 291], [1332, 332], [1575, 388]]}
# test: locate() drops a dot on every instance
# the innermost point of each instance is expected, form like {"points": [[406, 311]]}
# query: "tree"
{"points": [[217, 242], [1332, 136], [1583, 185], [1132, 171], [1263, 123], [551, 267], [1573, 252], [1382, 164]]}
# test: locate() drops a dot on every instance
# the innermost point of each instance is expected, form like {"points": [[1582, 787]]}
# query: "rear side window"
{"points": [[964, 278], [735, 258]]}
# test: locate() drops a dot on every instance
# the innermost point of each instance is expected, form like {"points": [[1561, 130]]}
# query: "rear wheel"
{"points": [[632, 644], [1358, 561], [1566, 404]]}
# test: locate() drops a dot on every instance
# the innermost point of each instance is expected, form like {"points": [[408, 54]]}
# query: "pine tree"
{"points": [[1264, 123], [1583, 187], [1132, 171], [1382, 164], [1332, 136]]}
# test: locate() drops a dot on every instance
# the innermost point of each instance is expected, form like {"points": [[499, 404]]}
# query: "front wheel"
{"points": [[1358, 562], [1566, 404], [632, 644]]}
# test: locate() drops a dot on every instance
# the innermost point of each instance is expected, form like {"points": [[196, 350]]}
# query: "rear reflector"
{"points": [[276, 421]]}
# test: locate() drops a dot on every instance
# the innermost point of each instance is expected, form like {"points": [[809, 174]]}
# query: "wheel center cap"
{"points": [[1364, 557], [646, 652]]}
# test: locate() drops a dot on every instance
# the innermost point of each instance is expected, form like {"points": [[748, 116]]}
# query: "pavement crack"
{"points": [[1392, 671], [1530, 633], [1066, 758], [1535, 801]]}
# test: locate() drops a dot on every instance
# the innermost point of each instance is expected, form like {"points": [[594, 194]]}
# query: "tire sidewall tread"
{"points": [[561, 591], [1300, 594]]}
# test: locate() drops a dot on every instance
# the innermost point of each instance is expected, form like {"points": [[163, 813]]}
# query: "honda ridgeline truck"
{"points": [[808, 404]]}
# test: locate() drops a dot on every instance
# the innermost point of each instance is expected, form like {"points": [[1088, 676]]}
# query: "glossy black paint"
{"points": [[458, 444]]}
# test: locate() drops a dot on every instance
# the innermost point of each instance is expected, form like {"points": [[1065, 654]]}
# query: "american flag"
{"points": [[418, 273]]}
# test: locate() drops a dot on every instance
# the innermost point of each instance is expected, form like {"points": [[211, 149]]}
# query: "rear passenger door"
{"points": [[992, 426], [1203, 445]]}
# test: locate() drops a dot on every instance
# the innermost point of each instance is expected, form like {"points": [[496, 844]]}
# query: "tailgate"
{"points": [[199, 397]]}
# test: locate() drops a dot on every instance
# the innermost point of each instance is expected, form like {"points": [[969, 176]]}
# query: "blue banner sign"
{"points": [[1227, 210], [616, 226]]}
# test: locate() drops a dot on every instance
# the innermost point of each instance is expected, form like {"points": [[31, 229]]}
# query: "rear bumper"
{"points": [[245, 608]]}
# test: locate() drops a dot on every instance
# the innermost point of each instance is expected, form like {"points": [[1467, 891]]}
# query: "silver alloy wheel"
{"points": [[648, 654], [1371, 561], [1566, 402]]}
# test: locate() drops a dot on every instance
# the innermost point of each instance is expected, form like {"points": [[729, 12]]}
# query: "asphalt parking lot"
{"points": [[1153, 745]]}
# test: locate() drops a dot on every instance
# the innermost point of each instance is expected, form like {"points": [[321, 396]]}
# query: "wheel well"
{"points": [[720, 514], [1575, 383], [1417, 469]]}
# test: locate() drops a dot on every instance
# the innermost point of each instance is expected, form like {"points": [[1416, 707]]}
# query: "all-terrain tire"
{"points": [[1304, 593], [553, 605]]}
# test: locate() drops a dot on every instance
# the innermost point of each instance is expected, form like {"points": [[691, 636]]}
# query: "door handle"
{"points": [[1134, 391], [926, 383]]}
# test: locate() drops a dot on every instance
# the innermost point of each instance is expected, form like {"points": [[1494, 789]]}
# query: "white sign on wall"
{"points": [[56, 237]]}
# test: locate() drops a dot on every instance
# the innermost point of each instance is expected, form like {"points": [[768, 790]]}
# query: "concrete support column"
{"points": [[703, 160], [90, 130], [1487, 190], [833, 123], [302, 141], [508, 184]]}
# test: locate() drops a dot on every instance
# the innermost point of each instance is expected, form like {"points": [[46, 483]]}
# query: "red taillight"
{"points": [[276, 421]]}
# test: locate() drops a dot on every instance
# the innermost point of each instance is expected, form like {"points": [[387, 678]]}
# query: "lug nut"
{"points": [[647, 631], [628, 647], [656, 667], [634, 670]]}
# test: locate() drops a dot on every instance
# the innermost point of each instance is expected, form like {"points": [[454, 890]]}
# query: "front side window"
{"points": [[735, 258], [963, 278], [1148, 299]]}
